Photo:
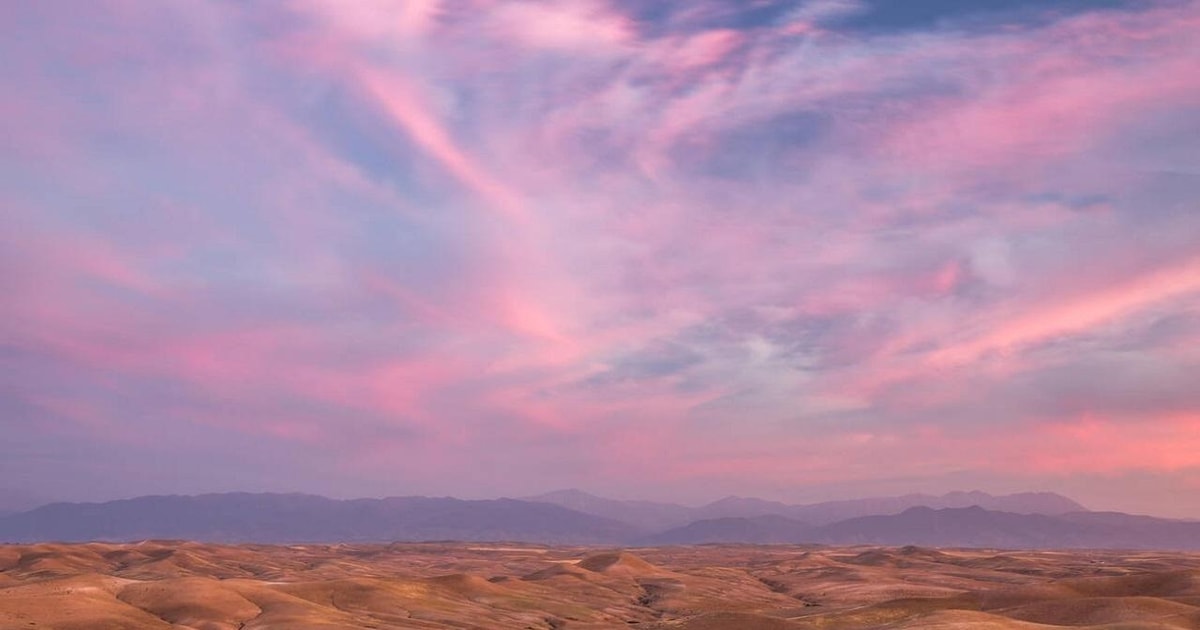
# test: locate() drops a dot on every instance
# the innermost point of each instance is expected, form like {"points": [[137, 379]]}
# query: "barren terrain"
{"points": [[164, 584]]}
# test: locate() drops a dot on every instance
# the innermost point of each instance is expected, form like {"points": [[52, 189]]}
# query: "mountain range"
{"points": [[960, 519], [656, 516], [244, 517]]}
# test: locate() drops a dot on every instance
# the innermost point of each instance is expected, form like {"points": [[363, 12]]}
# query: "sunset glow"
{"points": [[798, 250]]}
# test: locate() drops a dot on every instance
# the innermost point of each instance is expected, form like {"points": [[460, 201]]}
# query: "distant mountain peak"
{"points": [[974, 494], [268, 517], [735, 500], [568, 492], [970, 519]]}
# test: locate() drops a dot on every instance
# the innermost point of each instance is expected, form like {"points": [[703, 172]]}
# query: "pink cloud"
{"points": [[401, 102], [702, 50], [377, 20], [1087, 444], [949, 215], [1085, 313], [578, 26]]}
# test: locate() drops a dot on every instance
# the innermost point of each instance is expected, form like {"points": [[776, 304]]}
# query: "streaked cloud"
{"points": [[410, 247]]}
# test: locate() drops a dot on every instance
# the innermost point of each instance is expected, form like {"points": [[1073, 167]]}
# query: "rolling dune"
{"points": [[193, 586]]}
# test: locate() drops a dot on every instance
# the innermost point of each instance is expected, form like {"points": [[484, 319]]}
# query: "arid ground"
{"points": [[164, 584]]}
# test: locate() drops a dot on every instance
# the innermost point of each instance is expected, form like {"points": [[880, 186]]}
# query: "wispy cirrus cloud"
{"points": [[432, 241]]}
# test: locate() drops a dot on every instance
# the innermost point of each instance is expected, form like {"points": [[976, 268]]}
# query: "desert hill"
{"points": [[159, 585]]}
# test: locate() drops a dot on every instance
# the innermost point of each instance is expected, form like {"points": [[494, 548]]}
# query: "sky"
{"points": [[801, 250]]}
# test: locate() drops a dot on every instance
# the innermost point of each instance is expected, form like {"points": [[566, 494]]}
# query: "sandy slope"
{"points": [[182, 585]]}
